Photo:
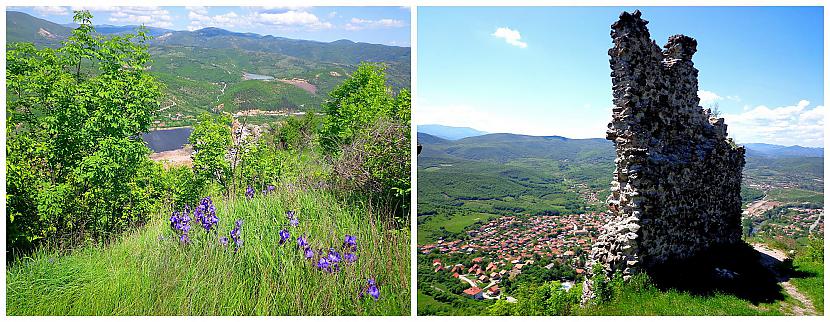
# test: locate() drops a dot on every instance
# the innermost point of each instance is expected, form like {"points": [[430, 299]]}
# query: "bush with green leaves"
{"points": [[211, 139], [548, 298], [76, 163], [298, 133], [367, 131]]}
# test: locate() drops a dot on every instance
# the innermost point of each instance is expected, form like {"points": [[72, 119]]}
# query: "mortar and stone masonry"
{"points": [[677, 183]]}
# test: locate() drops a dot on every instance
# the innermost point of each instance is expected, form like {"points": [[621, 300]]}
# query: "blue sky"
{"points": [[380, 25], [544, 71]]}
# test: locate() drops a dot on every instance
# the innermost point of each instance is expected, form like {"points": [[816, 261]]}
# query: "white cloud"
{"points": [[292, 18], [510, 36], [199, 21], [707, 97], [360, 24], [289, 19], [786, 125], [150, 16], [52, 11], [197, 9]]}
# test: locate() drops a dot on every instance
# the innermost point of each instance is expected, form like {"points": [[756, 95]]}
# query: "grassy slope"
{"points": [[145, 274], [812, 283], [653, 302], [453, 223]]}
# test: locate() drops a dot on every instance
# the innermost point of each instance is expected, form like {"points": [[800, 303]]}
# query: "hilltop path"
{"points": [[772, 259]]}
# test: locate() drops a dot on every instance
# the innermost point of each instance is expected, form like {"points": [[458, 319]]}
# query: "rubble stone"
{"points": [[677, 183]]}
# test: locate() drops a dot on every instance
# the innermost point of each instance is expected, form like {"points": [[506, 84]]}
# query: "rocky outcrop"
{"points": [[676, 187]]}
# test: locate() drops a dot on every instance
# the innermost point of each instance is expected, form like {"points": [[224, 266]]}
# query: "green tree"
{"points": [[74, 118], [357, 103], [211, 139], [367, 130]]}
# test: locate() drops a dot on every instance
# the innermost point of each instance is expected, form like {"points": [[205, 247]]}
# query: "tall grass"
{"points": [[149, 272]]}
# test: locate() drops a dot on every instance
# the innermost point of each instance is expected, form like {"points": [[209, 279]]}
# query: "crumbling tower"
{"points": [[677, 183]]}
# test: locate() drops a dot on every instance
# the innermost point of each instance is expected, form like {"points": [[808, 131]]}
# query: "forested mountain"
{"points": [[212, 68]]}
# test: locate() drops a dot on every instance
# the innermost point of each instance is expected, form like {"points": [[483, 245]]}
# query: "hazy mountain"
{"points": [[206, 69], [23, 27], [779, 151], [449, 132]]}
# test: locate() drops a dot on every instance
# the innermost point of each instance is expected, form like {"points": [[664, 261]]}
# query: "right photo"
{"points": [[620, 160]]}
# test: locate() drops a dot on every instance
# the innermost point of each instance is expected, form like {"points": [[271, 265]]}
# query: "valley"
{"points": [[503, 210]]}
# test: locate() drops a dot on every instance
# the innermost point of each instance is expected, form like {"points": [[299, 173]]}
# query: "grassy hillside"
{"points": [[149, 272]]}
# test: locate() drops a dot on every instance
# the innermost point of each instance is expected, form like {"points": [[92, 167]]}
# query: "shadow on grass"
{"points": [[732, 270]]}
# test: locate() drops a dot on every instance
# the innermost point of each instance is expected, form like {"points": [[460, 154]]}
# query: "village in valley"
{"points": [[507, 245]]}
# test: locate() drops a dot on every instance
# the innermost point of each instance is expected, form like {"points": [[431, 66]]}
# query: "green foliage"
{"points": [[74, 118], [298, 133], [211, 139], [546, 299], [367, 131], [261, 165], [356, 104], [808, 268]]}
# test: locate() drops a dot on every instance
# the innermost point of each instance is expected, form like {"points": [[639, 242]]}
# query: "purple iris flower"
{"points": [[371, 289], [302, 242], [206, 214], [333, 256], [184, 239], [350, 243], [270, 188], [309, 253], [350, 258], [374, 292], [323, 264], [284, 235], [223, 240], [236, 234], [249, 192], [292, 219]]}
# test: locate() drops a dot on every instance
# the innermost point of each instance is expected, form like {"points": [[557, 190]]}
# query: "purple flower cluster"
{"points": [[292, 219], [180, 223], [330, 261], [371, 289], [236, 235], [284, 236], [205, 213], [268, 190], [249, 192]]}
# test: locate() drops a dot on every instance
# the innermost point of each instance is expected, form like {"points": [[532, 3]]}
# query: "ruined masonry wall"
{"points": [[676, 187]]}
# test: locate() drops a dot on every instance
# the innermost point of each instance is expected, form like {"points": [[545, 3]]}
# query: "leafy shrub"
{"points": [[355, 104], [378, 160], [298, 133], [211, 139], [367, 130], [76, 164]]}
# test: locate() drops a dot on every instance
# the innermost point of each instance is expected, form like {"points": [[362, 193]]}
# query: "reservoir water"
{"points": [[256, 76], [167, 139]]}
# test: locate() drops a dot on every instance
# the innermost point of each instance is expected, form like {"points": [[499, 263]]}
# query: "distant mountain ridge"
{"points": [[772, 150], [452, 133], [22, 27], [205, 70], [449, 132]]}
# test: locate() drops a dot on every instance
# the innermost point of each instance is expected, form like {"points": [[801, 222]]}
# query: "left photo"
{"points": [[208, 161]]}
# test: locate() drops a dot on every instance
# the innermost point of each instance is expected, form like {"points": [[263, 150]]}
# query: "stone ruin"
{"points": [[677, 183]]}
